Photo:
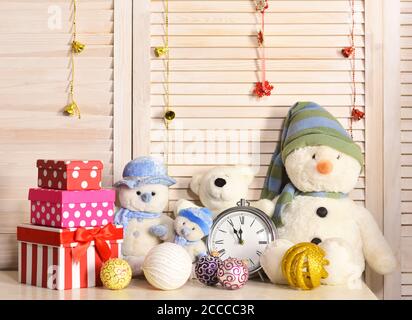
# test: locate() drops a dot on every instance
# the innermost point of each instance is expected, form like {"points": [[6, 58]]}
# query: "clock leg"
{"points": [[261, 275]]}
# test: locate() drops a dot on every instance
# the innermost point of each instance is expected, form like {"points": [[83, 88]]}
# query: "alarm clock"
{"points": [[242, 232]]}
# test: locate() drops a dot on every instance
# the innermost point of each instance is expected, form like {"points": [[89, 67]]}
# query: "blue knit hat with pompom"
{"points": [[200, 216]]}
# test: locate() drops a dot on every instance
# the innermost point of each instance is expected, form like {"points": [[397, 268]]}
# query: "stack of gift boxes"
{"points": [[71, 232]]}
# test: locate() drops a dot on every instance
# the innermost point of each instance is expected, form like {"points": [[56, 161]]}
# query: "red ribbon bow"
{"points": [[84, 237]]}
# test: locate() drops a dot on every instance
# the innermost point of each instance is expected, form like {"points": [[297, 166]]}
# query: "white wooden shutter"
{"points": [[213, 69], [406, 136], [34, 77]]}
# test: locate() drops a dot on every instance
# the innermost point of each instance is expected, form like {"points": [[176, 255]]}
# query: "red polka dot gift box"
{"points": [[64, 259], [68, 209], [69, 174]]}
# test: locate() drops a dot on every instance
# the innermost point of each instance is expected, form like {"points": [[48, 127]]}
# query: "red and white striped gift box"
{"points": [[45, 258]]}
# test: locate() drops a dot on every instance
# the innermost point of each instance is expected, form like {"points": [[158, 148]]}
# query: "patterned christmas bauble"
{"points": [[206, 270], [167, 266], [303, 266], [115, 274], [232, 273]]}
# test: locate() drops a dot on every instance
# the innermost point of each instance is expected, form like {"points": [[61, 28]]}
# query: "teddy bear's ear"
{"points": [[195, 182], [247, 172]]}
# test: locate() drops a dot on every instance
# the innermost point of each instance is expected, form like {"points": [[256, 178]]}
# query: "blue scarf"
{"points": [[289, 192], [181, 241], [123, 216]]}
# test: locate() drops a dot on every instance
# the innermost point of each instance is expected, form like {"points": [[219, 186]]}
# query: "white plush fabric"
{"points": [[348, 232], [138, 240], [219, 198], [129, 199], [194, 235], [301, 167]]}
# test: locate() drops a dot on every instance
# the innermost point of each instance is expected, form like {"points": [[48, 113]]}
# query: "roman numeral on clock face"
{"points": [[260, 231], [222, 252], [258, 253], [263, 242], [230, 222], [242, 219], [253, 222], [219, 242]]}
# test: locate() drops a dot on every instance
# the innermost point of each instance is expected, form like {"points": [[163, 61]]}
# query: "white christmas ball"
{"points": [[167, 266]]}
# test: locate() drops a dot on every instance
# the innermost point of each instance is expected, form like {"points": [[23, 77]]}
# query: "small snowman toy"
{"points": [[143, 196], [191, 226], [315, 166]]}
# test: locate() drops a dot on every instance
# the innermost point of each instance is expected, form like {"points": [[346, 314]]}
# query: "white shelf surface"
{"points": [[139, 289]]}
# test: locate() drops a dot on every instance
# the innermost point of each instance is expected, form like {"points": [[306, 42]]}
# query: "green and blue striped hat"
{"points": [[307, 124]]}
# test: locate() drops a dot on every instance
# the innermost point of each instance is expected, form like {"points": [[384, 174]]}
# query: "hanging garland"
{"points": [[350, 53], [163, 52], [76, 47], [263, 87]]}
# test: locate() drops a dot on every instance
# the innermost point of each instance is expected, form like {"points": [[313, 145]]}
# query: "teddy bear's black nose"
{"points": [[316, 241], [219, 182], [322, 212]]}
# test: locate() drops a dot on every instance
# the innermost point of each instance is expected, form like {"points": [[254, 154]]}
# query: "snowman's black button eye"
{"points": [[193, 228], [138, 193], [314, 156], [322, 212], [316, 241], [153, 193], [184, 223], [338, 157]]}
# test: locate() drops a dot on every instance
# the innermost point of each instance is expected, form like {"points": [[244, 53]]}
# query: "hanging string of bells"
{"points": [[76, 47], [263, 87], [163, 52], [350, 53]]}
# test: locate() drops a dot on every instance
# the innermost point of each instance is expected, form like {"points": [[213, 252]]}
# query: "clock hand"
{"points": [[241, 241], [237, 235]]}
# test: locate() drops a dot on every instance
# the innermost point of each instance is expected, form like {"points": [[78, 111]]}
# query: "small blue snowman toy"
{"points": [[143, 196], [191, 226]]}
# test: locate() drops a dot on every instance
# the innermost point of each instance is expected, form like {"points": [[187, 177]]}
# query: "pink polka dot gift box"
{"points": [[69, 209], [69, 174]]}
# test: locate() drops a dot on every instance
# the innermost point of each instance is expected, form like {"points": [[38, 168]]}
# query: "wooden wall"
{"points": [[213, 69], [406, 138], [34, 77]]}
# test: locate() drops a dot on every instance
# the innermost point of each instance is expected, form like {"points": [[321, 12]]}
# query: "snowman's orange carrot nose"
{"points": [[324, 167]]}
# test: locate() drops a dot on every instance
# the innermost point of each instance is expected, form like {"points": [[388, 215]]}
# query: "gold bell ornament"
{"points": [[170, 115], [77, 46], [303, 266], [161, 51], [72, 110]]}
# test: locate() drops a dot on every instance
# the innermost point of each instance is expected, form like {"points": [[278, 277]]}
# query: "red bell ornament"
{"points": [[260, 38], [348, 52], [357, 114]]}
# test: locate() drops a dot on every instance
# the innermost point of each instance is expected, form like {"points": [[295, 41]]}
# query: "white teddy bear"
{"points": [[191, 226], [219, 188], [143, 196], [310, 199]]}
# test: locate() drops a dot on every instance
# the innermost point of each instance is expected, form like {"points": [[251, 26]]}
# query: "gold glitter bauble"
{"points": [[116, 274], [303, 266]]}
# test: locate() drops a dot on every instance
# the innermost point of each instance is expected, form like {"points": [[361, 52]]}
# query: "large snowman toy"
{"points": [[143, 196], [312, 171]]}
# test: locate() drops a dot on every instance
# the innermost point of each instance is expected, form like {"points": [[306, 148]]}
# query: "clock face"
{"points": [[243, 234]]}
